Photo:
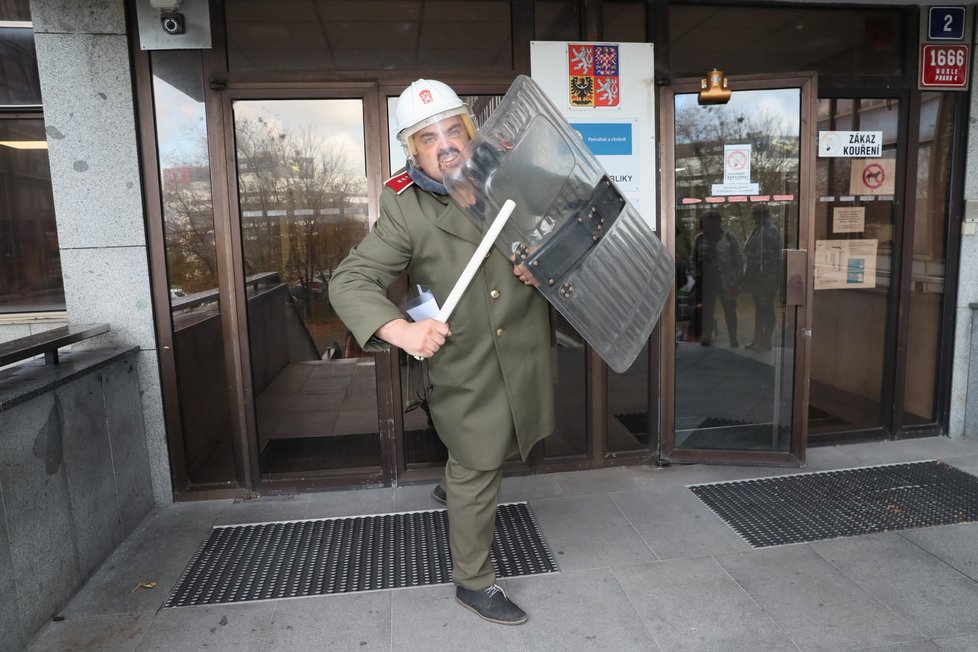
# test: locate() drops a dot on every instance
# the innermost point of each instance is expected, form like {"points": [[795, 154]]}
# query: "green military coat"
{"points": [[493, 375]]}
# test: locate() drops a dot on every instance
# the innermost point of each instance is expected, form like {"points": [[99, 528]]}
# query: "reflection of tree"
{"points": [[701, 133], [302, 209], [191, 257]]}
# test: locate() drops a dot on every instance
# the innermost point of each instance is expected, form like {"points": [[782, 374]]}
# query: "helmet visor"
{"points": [[437, 147], [439, 124]]}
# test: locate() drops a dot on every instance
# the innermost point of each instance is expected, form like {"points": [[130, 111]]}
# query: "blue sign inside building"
{"points": [[606, 138]]}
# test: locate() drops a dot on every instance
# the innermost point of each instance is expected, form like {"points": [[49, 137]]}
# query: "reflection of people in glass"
{"points": [[489, 370], [762, 274], [717, 265]]}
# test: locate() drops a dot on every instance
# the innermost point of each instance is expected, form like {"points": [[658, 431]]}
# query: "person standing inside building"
{"points": [[717, 264], [491, 394], [762, 274]]}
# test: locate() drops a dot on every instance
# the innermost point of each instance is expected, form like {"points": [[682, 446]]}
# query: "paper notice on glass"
{"points": [[845, 264], [423, 306], [849, 219]]}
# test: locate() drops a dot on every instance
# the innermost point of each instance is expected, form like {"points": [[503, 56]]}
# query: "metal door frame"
{"points": [[233, 282], [795, 456]]}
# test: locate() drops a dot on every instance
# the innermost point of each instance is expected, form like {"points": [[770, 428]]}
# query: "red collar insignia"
{"points": [[399, 182]]}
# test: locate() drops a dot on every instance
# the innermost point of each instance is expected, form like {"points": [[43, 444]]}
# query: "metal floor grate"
{"points": [[814, 506], [269, 561]]}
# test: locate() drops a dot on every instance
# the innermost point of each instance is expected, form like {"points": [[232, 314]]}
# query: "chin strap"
{"points": [[425, 182]]}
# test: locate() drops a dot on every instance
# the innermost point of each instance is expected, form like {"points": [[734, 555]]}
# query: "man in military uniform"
{"points": [[489, 367]]}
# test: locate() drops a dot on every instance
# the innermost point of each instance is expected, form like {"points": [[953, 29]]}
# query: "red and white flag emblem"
{"points": [[592, 72]]}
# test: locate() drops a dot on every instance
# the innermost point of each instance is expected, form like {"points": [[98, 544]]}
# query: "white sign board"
{"points": [[850, 144], [849, 219], [845, 264], [606, 92], [728, 189], [736, 164]]}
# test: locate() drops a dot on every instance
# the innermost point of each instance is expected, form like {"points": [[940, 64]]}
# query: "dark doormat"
{"points": [[269, 561], [308, 454], [814, 506], [637, 423], [305, 454], [422, 446]]}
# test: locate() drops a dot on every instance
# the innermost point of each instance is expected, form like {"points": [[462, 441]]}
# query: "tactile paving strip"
{"points": [[269, 561], [814, 506]]}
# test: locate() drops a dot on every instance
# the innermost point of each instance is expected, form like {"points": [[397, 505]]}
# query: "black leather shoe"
{"points": [[491, 604], [438, 494]]}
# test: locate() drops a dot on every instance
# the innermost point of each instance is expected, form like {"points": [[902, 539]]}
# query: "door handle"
{"points": [[795, 277]]}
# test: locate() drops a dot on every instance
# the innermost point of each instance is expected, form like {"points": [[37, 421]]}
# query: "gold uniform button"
{"points": [[494, 294], [499, 332]]}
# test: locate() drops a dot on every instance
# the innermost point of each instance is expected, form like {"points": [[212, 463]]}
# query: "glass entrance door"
{"points": [[302, 204], [740, 181]]}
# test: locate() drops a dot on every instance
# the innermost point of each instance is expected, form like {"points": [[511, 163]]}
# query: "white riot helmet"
{"points": [[425, 102]]}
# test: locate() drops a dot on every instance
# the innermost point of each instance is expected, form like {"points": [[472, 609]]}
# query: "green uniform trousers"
{"points": [[472, 497]]}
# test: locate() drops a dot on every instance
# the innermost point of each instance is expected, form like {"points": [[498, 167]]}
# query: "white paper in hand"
{"points": [[423, 306]]}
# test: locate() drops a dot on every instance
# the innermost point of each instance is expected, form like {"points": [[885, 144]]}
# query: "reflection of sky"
{"points": [[782, 103], [336, 123], [180, 127]]}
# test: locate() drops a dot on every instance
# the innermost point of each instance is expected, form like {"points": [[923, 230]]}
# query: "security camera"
{"points": [[173, 22]]}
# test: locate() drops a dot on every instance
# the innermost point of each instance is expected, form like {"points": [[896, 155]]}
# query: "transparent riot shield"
{"points": [[593, 256]]}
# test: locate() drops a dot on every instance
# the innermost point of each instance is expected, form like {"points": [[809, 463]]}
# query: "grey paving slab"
{"points": [[686, 474], [187, 515], [589, 532], [262, 509], [954, 544], [910, 646], [825, 458], [883, 592], [962, 643], [675, 523], [148, 556], [239, 627], [909, 450], [429, 618], [357, 621], [598, 481], [817, 606], [414, 497], [967, 463], [930, 595], [518, 488], [333, 504], [107, 633], [693, 604], [584, 610]]}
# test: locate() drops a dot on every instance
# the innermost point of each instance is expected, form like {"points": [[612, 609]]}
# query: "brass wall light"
{"points": [[714, 89]]}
